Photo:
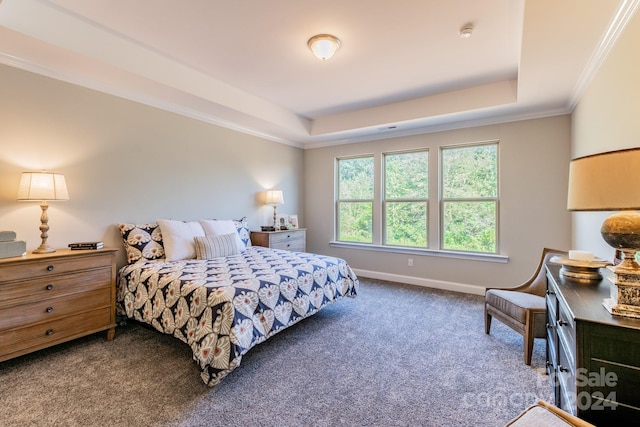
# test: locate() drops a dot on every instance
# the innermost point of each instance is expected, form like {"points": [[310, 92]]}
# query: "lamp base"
{"points": [[622, 232], [43, 250], [621, 309], [625, 292], [44, 228]]}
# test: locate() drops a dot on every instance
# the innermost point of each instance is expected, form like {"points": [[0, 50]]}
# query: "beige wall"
{"points": [[126, 162], [534, 155], [607, 118]]}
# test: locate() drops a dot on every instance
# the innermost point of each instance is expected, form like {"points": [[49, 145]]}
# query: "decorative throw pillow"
{"points": [[209, 247], [142, 242], [242, 225], [178, 238], [217, 227]]}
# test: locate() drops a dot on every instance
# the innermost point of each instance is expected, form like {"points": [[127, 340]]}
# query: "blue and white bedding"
{"points": [[225, 306]]}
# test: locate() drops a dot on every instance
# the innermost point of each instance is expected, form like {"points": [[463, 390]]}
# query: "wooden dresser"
{"points": [[47, 299], [291, 240], [593, 357]]}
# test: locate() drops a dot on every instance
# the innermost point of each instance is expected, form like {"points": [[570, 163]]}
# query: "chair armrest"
{"points": [[573, 420]]}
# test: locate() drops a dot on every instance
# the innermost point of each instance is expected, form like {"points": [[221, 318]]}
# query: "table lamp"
{"points": [[274, 197], [609, 182], [43, 187]]}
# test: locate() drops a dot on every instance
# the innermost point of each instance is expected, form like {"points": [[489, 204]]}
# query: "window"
{"points": [[382, 200], [406, 193], [355, 199], [469, 203]]}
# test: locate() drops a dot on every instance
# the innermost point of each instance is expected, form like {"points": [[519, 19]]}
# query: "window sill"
{"points": [[427, 252]]}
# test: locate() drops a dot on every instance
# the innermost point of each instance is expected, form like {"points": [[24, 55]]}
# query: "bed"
{"points": [[222, 306]]}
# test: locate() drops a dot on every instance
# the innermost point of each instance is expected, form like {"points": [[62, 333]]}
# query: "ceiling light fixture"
{"points": [[323, 45], [466, 31]]}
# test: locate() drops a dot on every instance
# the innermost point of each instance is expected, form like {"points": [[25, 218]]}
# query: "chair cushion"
{"points": [[514, 304]]}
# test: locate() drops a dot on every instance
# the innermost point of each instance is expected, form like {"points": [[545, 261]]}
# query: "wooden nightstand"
{"points": [[47, 299], [291, 240]]}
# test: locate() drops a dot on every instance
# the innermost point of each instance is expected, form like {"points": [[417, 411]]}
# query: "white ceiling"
{"points": [[244, 64]]}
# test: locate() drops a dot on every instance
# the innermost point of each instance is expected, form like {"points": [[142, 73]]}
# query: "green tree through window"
{"points": [[355, 199], [406, 178], [469, 180]]}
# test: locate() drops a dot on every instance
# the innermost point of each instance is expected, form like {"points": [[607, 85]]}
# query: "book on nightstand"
{"points": [[7, 236], [86, 245], [13, 248], [9, 246]]}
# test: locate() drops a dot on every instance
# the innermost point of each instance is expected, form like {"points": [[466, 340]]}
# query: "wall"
{"points": [[606, 119], [126, 162], [534, 157]]}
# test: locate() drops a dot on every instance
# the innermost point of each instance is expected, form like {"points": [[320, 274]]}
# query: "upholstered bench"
{"points": [[544, 414]]}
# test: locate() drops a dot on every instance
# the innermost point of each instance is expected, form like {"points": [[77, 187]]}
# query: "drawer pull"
{"points": [[50, 268], [550, 292], [563, 323], [49, 309], [49, 287], [562, 368], [49, 332], [548, 326]]}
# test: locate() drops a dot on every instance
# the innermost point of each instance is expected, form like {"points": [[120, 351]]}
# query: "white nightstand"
{"points": [[291, 240]]}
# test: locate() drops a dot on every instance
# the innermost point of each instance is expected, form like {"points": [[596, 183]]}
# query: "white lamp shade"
{"points": [[323, 46], [274, 197], [42, 186]]}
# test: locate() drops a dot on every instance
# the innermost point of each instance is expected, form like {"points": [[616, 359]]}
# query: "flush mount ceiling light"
{"points": [[323, 45], [466, 31]]}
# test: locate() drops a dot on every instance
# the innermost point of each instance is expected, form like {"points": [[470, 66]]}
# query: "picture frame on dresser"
{"points": [[292, 222], [282, 221]]}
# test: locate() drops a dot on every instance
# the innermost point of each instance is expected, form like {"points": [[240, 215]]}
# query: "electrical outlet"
{"points": [[410, 262]]}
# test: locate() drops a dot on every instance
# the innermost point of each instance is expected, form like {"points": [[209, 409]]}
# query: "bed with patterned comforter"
{"points": [[225, 306]]}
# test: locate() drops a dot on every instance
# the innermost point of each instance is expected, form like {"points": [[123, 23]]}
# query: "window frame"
{"points": [[443, 200], [384, 200], [339, 201]]}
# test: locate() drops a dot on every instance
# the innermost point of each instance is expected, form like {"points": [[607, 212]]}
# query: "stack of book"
{"points": [[86, 245], [9, 246]]}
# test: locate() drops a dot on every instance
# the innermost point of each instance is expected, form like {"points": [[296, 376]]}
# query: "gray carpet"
{"points": [[394, 356]]}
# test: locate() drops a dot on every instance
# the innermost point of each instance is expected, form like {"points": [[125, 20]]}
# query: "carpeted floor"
{"points": [[396, 355]]}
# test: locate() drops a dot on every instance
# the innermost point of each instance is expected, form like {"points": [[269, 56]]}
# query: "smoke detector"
{"points": [[466, 31]]}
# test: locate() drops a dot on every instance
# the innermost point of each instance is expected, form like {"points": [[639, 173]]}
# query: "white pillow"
{"points": [[217, 227], [209, 247], [177, 237]]}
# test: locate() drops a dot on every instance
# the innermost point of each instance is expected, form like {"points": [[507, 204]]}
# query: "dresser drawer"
{"points": [[293, 245], [566, 377], [20, 292], [289, 236], [552, 346], [49, 309], [552, 301], [47, 267], [16, 342], [566, 328]]}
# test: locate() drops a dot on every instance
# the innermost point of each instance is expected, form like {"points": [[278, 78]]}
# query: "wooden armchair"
{"points": [[522, 308]]}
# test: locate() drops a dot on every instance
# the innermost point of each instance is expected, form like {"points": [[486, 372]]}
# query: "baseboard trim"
{"points": [[419, 281]]}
